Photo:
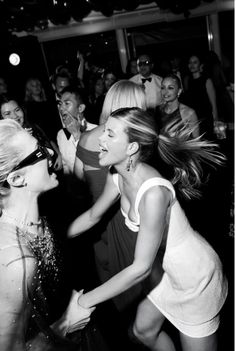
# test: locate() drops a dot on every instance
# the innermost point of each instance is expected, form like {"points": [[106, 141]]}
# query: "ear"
{"points": [[82, 108], [133, 148], [16, 180], [179, 92]]}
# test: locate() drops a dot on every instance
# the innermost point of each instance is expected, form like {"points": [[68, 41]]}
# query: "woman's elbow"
{"points": [[142, 272]]}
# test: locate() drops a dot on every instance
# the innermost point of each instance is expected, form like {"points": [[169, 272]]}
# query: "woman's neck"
{"points": [[171, 106], [129, 176], [196, 75], [23, 211]]}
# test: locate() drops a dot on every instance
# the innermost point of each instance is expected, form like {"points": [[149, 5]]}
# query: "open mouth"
{"points": [[103, 150]]}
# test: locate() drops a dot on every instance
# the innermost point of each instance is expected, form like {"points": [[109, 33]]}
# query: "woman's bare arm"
{"points": [[153, 212], [92, 216]]}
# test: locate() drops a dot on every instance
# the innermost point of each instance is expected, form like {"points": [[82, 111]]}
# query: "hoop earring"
{"points": [[129, 164]]}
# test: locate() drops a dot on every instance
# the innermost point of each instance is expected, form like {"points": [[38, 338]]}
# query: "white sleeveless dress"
{"points": [[193, 287]]}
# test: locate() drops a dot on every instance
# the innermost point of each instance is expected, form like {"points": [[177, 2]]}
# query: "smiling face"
{"points": [[12, 110], [36, 176], [169, 89], [114, 143]]}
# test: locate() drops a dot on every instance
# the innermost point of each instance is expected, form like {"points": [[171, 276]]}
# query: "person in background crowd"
{"points": [[175, 63], [28, 256], [150, 81], [3, 86], [131, 68], [41, 109], [200, 94], [109, 77], [122, 93], [72, 109], [171, 111], [225, 105], [59, 81], [97, 90], [10, 108], [188, 286]]}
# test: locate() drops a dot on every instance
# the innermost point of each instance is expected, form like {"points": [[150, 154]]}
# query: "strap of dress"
{"points": [[8, 246], [149, 184], [116, 180]]}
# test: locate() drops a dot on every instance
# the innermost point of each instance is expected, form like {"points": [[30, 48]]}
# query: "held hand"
{"points": [[58, 163], [77, 316]]}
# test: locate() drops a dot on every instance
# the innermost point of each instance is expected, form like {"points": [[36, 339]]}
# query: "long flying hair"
{"points": [[178, 150]]}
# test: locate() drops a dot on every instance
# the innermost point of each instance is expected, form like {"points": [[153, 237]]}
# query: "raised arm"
{"points": [[212, 97], [153, 211], [92, 216]]}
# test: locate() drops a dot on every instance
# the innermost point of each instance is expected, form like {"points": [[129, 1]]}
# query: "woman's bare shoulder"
{"points": [[16, 263], [185, 110]]}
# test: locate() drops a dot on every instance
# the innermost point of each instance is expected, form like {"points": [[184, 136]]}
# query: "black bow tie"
{"points": [[146, 79]]}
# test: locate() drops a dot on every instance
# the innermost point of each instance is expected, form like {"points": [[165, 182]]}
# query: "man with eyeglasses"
{"points": [[150, 81]]}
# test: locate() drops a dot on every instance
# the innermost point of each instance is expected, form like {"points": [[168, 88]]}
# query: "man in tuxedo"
{"points": [[150, 81]]}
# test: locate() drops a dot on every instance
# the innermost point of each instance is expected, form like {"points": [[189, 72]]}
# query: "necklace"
{"points": [[20, 223]]}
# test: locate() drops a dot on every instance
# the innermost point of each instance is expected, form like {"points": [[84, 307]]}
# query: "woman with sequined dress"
{"points": [[27, 250]]}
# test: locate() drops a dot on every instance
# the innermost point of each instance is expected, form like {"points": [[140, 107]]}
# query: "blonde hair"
{"points": [[10, 153], [123, 93], [28, 90], [181, 153]]}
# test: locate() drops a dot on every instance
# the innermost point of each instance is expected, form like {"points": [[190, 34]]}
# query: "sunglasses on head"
{"points": [[39, 154], [144, 63]]}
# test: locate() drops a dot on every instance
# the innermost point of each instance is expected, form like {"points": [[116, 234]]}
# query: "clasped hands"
{"points": [[75, 317]]}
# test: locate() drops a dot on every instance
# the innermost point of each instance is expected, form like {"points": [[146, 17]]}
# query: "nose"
{"points": [[101, 137]]}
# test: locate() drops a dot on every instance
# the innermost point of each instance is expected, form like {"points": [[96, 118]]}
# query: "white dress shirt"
{"points": [[152, 89], [67, 146]]}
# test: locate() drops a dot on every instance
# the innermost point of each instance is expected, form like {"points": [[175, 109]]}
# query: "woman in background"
{"points": [[199, 94], [10, 108], [41, 109], [171, 111], [123, 93]]}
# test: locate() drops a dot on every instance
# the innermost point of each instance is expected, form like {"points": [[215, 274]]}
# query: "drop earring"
{"points": [[129, 164]]}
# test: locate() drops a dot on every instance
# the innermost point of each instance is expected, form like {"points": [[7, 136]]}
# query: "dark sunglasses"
{"points": [[144, 63], [39, 154]]}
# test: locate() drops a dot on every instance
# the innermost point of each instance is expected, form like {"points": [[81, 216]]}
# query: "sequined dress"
{"points": [[29, 262]]}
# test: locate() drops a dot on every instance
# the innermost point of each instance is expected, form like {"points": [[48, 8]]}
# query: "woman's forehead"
{"points": [[6, 106], [25, 141]]}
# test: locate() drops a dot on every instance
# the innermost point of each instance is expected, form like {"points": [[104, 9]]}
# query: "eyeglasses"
{"points": [[39, 154], [144, 63]]}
